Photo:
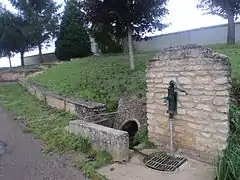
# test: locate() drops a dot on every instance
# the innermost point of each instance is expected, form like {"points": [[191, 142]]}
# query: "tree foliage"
{"points": [[144, 16], [73, 40], [15, 35], [227, 9], [108, 42], [126, 17], [43, 16]]}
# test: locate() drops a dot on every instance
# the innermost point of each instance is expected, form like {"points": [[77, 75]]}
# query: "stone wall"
{"points": [[201, 125], [10, 75], [114, 141], [82, 109], [131, 109]]}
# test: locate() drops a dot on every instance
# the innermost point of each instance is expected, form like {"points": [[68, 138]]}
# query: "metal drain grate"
{"points": [[165, 162]]}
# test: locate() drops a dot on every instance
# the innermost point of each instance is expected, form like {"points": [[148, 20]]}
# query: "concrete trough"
{"points": [[114, 141]]}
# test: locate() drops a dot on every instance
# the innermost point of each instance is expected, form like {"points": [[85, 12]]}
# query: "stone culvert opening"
{"points": [[132, 128]]}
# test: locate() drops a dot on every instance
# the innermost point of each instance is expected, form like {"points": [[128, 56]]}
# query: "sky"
{"points": [[183, 15]]}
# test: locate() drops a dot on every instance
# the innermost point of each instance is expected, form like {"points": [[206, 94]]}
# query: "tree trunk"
{"points": [[40, 53], [22, 58], [10, 63], [231, 29], [130, 48], [125, 45]]}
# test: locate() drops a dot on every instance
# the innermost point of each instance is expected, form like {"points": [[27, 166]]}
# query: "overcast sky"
{"points": [[183, 15]]}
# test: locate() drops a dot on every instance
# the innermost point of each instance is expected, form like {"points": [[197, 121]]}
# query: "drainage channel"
{"points": [[132, 128]]}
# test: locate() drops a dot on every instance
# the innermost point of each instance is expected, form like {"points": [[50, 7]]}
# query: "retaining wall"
{"points": [[80, 108]]}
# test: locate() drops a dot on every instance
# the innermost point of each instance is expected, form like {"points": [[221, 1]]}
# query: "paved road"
{"points": [[23, 159]]}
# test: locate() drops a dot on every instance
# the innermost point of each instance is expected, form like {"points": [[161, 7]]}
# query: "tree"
{"points": [[1, 7], [15, 35], [43, 16], [25, 35], [7, 45], [8, 35], [126, 18], [227, 9], [73, 40]]}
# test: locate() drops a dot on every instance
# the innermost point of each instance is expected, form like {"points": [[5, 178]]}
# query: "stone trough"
{"points": [[115, 141]]}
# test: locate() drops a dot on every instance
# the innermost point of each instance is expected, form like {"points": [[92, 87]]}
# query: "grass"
{"points": [[89, 168], [233, 51], [46, 122], [229, 163], [104, 79]]}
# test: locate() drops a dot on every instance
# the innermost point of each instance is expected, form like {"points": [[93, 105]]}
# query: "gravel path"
{"points": [[21, 157]]}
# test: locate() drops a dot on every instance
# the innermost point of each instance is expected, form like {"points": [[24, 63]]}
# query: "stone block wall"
{"points": [[201, 125], [11, 75], [114, 141], [84, 110], [131, 109]]}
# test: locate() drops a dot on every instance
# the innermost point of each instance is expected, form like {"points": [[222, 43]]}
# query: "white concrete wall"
{"points": [[201, 36], [30, 60]]}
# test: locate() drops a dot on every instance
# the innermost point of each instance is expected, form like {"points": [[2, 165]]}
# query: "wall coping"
{"points": [[207, 52], [190, 30], [20, 70], [116, 132]]}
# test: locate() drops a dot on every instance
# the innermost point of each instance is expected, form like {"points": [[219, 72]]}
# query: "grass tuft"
{"points": [[141, 137]]}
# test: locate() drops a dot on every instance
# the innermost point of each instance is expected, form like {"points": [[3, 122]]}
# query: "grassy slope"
{"points": [[104, 79], [46, 122]]}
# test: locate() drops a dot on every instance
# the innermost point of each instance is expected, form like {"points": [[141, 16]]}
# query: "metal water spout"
{"points": [[171, 101]]}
